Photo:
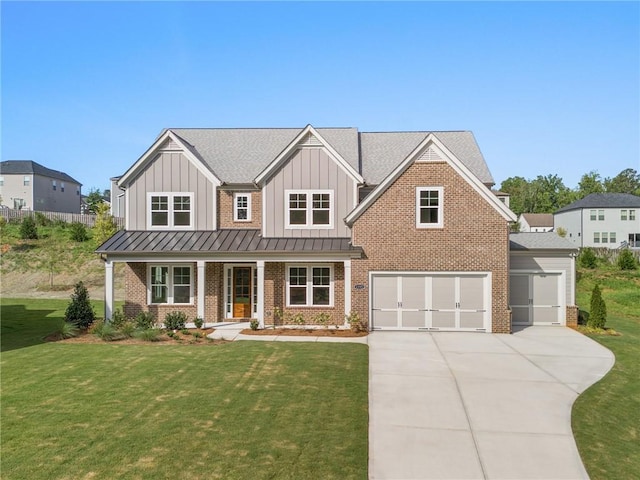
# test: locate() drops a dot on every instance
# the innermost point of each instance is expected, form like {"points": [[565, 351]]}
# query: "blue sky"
{"points": [[546, 87]]}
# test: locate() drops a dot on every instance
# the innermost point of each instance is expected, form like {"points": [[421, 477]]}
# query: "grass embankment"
{"points": [[606, 418], [234, 410]]}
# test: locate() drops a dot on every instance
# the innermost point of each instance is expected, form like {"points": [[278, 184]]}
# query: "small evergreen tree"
{"points": [[626, 261], [588, 258], [79, 232], [28, 229], [80, 311], [598, 314]]}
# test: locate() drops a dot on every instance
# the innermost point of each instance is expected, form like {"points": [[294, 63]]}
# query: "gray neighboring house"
{"points": [[609, 220], [27, 185], [536, 222], [117, 198]]}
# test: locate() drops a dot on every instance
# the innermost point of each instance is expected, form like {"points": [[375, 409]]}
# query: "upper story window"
{"points": [[310, 285], [429, 207], [309, 209], [26, 181], [171, 284], [77, 190], [242, 207], [592, 215], [632, 214], [61, 186], [600, 214], [623, 214], [171, 210], [53, 183]]}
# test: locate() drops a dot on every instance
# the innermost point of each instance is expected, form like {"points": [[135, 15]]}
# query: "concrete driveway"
{"points": [[472, 405]]}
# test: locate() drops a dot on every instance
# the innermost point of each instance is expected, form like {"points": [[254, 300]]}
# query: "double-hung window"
{"points": [[612, 237], [309, 209], [592, 215], [26, 181], [596, 237], [309, 286], [600, 215], [170, 284], [242, 207], [605, 237], [53, 184], [171, 210], [632, 214], [429, 202], [623, 215]]}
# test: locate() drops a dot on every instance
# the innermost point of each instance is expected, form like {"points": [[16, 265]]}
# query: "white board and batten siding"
{"points": [[540, 287], [308, 168], [171, 171]]}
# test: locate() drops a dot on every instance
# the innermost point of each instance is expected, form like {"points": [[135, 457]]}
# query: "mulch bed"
{"points": [[164, 339], [305, 332]]}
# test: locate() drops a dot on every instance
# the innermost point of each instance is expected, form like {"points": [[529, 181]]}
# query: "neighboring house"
{"points": [[602, 220], [502, 196], [27, 185], [232, 224], [117, 198], [536, 222]]}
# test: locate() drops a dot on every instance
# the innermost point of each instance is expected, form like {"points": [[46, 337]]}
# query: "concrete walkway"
{"points": [[471, 405]]}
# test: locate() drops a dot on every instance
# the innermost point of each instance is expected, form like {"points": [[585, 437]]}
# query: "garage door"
{"points": [[421, 301], [536, 298]]}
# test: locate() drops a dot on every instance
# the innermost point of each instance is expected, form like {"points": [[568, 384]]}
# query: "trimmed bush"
{"points": [[117, 318], [80, 311], [145, 320], [198, 322], [598, 314], [626, 260], [28, 229], [588, 258], [79, 232], [175, 321]]}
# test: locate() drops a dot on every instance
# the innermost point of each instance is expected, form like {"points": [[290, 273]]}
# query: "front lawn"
{"points": [[606, 418], [234, 410]]}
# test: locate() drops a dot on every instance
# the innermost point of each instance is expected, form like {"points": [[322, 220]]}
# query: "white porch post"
{"points": [[260, 305], [347, 289], [108, 290], [201, 288]]}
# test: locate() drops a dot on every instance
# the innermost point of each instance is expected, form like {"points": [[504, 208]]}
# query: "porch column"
{"points": [[201, 288], [260, 305], [108, 290], [347, 289]]}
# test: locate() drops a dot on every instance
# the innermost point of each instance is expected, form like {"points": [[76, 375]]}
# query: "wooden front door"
{"points": [[241, 292]]}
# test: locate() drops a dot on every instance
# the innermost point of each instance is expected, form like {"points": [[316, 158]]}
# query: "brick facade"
{"points": [[572, 316], [225, 210], [474, 237]]}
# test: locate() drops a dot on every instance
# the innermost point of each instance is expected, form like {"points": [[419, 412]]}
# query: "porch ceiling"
{"points": [[221, 241]]}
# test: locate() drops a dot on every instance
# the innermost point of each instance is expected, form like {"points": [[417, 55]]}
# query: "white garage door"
{"points": [[536, 298], [423, 301]]}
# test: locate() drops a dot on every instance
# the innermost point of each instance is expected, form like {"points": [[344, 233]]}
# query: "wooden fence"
{"points": [[88, 220], [611, 254]]}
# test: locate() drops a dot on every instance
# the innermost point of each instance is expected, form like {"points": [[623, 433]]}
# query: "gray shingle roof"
{"points": [[539, 219], [220, 241], [603, 200], [24, 167], [238, 155], [539, 241], [383, 151]]}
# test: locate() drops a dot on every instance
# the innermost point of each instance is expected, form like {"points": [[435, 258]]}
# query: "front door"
{"points": [[241, 292]]}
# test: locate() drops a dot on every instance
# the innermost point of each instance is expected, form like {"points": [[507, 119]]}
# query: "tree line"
{"points": [[546, 194]]}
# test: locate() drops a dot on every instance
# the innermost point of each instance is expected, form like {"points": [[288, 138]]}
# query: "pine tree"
{"points": [[598, 314], [80, 311], [28, 229], [626, 261]]}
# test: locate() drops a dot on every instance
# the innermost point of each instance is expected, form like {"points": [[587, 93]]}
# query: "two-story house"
{"points": [[232, 224], [536, 222], [602, 220], [27, 185]]}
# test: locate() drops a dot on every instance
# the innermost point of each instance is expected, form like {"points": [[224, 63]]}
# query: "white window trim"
{"points": [[632, 214], [170, 225], [309, 225], [440, 223], [170, 266], [235, 206], [309, 268], [624, 215]]}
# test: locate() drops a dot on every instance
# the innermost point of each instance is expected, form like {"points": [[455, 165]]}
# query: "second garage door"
{"points": [[536, 298], [427, 301]]}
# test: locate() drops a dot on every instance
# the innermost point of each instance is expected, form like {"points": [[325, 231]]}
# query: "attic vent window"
{"points": [[430, 155], [310, 139]]}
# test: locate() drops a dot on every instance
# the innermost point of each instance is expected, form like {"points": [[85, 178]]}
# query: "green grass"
{"points": [[234, 410], [606, 418]]}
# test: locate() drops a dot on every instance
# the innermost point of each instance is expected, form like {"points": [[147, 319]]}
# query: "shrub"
{"points": [[198, 322], [117, 318], [175, 320], [356, 323], [145, 320], [105, 225], [587, 258], [148, 334], [322, 318], [80, 311], [79, 232], [598, 314], [254, 324], [41, 220], [66, 330], [197, 335], [28, 229], [107, 332], [626, 260], [128, 328], [562, 232], [3, 222]]}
